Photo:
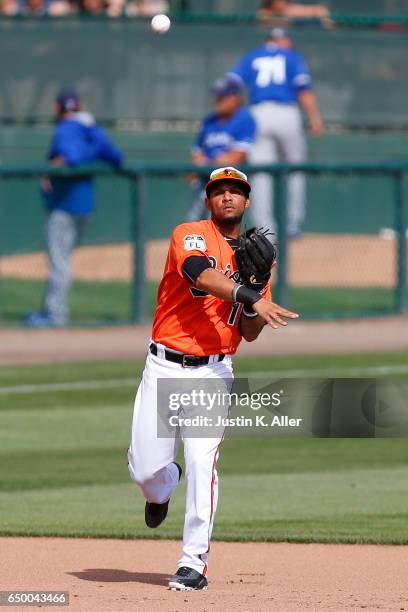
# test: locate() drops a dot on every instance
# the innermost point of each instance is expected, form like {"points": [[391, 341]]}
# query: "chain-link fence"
{"points": [[349, 261], [346, 261]]}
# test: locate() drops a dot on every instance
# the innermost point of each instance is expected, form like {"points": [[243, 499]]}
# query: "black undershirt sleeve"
{"points": [[193, 266]]}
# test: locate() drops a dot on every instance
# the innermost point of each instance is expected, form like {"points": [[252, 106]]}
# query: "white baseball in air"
{"points": [[160, 24]]}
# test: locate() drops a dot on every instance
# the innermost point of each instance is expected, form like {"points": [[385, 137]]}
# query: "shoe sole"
{"points": [[175, 586]]}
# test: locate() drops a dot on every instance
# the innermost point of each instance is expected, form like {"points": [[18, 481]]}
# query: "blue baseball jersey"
{"points": [[219, 136], [273, 74], [79, 140]]}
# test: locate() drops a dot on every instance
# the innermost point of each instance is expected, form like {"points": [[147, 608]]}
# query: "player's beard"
{"points": [[227, 224]]}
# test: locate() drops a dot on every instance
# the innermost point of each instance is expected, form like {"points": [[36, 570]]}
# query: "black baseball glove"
{"points": [[255, 255]]}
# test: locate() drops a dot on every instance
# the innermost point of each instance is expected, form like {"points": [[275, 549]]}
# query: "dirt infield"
{"points": [[317, 337], [131, 576], [315, 259]]}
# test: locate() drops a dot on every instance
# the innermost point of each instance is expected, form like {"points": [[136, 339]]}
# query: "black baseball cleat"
{"points": [[187, 579], [156, 513]]}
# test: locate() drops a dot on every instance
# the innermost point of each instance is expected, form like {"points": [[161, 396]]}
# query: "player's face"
{"points": [[227, 105], [227, 202]]}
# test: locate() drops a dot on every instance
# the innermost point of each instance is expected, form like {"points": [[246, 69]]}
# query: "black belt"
{"points": [[183, 359]]}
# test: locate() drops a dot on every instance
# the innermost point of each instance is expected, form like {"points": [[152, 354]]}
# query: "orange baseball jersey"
{"points": [[190, 320]]}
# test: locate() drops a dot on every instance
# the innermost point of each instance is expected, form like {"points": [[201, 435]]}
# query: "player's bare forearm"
{"points": [[214, 282], [308, 101], [199, 158], [251, 327], [232, 158]]}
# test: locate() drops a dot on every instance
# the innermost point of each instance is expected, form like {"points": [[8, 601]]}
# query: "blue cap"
{"points": [[68, 99], [227, 86]]}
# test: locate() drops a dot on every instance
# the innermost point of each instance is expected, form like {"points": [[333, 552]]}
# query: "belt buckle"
{"points": [[183, 361]]}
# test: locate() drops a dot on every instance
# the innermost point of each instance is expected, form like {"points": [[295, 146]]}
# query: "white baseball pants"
{"points": [[279, 134], [151, 458]]}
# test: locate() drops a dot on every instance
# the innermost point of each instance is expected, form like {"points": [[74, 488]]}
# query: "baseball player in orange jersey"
{"points": [[203, 312]]}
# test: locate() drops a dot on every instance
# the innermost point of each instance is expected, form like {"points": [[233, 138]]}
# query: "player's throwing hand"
{"points": [[272, 313]]}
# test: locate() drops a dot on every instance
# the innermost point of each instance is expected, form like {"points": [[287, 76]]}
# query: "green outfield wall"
{"points": [[125, 72]]}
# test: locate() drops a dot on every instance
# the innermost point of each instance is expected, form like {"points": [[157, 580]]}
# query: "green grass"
{"points": [[90, 303], [341, 302], [63, 466], [110, 303]]}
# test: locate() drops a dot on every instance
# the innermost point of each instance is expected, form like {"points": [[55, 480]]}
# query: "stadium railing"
{"points": [[325, 295]]}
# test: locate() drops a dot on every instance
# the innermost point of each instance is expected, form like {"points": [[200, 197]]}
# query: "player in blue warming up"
{"points": [[69, 201], [224, 139], [278, 83]]}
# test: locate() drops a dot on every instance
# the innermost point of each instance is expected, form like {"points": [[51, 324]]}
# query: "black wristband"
{"points": [[246, 296], [249, 312]]}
